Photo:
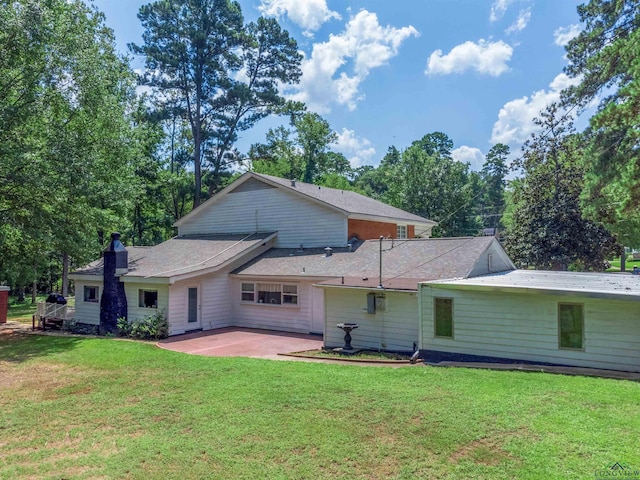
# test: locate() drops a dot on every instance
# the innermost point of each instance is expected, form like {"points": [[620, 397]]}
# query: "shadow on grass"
{"points": [[20, 347]]}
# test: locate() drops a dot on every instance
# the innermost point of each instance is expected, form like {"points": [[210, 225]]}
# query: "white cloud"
{"points": [[563, 35], [521, 23], [498, 9], [484, 57], [307, 14], [357, 149], [471, 155], [336, 68], [515, 119]]}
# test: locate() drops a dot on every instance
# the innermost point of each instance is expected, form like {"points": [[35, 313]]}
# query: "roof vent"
{"points": [[327, 252], [350, 247], [293, 183]]}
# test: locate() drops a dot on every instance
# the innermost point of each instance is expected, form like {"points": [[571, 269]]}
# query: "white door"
{"points": [[193, 309], [317, 310]]}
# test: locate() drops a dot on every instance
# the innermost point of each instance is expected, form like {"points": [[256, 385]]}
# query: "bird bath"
{"points": [[347, 328]]}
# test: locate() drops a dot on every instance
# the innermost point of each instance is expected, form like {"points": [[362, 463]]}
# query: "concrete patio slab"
{"points": [[241, 342]]}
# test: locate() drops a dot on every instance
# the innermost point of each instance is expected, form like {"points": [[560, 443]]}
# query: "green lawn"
{"points": [[107, 408], [22, 312], [628, 264]]}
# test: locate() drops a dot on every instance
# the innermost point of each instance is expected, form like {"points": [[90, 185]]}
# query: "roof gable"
{"points": [[345, 201]]}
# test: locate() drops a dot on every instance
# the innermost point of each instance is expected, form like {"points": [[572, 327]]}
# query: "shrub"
{"points": [[123, 327], [151, 327]]}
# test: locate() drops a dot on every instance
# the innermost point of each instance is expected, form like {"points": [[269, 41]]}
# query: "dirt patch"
{"points": [[484, 451], [40, 382], [12, 327]]}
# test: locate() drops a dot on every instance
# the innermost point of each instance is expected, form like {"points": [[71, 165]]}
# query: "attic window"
{"points": [[148, 298], [401, 231]]}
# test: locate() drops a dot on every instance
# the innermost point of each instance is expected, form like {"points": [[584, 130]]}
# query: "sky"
{"points": [[388, 72]]}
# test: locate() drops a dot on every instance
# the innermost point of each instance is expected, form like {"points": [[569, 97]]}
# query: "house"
{"points": [[283, 255], [190, 276], [567, 318]]}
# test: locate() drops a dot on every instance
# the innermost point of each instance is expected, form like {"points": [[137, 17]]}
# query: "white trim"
{"points": [[84, 294], [141, 300]]}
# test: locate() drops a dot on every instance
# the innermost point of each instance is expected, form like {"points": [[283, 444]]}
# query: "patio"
{"points": [[241, 342]]}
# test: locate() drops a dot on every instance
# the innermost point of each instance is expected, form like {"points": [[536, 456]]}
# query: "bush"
{"points": [[151, 327]]}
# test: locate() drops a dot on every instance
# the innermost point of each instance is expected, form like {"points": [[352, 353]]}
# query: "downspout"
{"points": [[381, 287], [380, 284], [416, 354]]}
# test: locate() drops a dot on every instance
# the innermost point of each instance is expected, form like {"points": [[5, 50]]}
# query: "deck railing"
{"points": [[55, 311]]}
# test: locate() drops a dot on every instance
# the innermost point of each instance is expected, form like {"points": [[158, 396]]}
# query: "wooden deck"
{"points": [[53, 314]]}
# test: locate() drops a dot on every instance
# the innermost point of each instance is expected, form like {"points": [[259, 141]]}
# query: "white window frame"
{"points": [[247, 292], [287, 299], [141, 299], [401, 231], [84, 294]]}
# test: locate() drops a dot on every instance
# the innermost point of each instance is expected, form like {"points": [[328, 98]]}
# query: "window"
{"points": [[148, 298], [290, 294], [248, 293], [571, 326], [401, 231], [269, 293], [91, 294], [443, 317]]}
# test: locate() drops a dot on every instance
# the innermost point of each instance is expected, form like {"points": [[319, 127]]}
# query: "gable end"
{"points": [[252, 185]]}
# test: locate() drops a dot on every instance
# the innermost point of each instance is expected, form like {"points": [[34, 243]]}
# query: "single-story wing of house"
{"points": [[568, 318]]}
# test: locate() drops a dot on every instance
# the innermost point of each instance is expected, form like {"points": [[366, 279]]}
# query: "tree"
{"points": [[492, 178], [303, 153], [66, 151], [314, 137], [428, 182], [605, 57], [546, 226], [197, 48]]}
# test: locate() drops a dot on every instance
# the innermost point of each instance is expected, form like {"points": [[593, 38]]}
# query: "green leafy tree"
{"points": [[493, 183], [428, 182], [197, 48], [605, 57], [303, 153], [66, 168], [375, 181], [546, 225]]}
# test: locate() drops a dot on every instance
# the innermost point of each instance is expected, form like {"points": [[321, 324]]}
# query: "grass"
{"points": [[107, 408], [22, 312], [628, 264]]}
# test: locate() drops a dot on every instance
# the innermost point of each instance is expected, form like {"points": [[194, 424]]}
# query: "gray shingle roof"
{"points": [[183, 255], [404, 262], [350, 202]]}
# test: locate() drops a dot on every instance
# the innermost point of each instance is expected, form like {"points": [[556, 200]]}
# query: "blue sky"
{"points": [[388, 72]]}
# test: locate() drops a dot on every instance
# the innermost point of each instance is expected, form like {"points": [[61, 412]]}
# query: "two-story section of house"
{"points": [[189, 277]]}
